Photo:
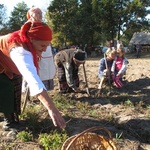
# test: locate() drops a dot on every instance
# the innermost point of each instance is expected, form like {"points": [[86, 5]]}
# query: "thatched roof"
{"points": [[142, 37]]}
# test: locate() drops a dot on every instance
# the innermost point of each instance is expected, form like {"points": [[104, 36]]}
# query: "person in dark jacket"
{"points": [[138, 50], [105, 64], [67, 63]]}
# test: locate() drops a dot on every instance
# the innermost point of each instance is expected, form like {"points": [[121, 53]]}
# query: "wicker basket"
{"points": [[89, 141]]}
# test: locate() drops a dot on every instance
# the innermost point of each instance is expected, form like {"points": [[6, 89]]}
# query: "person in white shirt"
{"points": [[19, 53], [47, 69]]}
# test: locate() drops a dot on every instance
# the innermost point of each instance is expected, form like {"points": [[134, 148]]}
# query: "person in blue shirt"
{"points": [[105, 64]]}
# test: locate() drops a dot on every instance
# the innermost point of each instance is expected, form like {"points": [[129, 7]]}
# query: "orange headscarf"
{"points": [[35, 30]]}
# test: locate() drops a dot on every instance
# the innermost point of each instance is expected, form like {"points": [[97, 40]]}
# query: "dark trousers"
{"points": [[63, 85], [10, 95], [138, 54]]}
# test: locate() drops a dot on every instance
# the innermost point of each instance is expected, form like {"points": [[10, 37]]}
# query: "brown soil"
{"points": [[131, 120]]}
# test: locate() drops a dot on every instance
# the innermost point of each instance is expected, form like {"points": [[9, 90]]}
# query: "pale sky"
{"points": [[42, 4], [148, 16]]}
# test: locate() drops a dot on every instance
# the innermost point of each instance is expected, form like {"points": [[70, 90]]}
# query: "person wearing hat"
{"points": [[47, 69], [34, 14], [105, 64], [19, 52], [67, 63]]}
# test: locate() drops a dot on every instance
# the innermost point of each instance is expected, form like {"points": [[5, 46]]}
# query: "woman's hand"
{"points": [[55, 115], [57, 118]]}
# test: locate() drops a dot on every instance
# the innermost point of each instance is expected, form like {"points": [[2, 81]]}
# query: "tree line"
{"points": [[80, 22]]}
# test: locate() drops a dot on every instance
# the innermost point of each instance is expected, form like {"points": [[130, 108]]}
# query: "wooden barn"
{"points": [[143, 38]]}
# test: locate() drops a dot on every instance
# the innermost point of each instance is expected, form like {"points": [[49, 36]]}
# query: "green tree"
{"points": [[135, 18], [73, 20], [3, 20], [96, 21], [18, 16], [90, 18], [2, 14], [62, 15]]}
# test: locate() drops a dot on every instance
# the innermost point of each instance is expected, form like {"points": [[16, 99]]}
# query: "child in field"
{"points": [[105, 65], [119, 67]]}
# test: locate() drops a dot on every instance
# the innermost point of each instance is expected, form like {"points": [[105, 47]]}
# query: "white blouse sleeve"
{"points": [[23, 59]]}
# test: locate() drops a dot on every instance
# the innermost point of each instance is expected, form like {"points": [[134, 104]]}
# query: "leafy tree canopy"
{"points": [[95, 21], [18, 16]]}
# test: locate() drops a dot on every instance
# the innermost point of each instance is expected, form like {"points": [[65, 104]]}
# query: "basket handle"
{"points": [[87, 130]]}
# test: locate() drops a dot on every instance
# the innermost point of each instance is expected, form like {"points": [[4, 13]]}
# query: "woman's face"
{"points": [[40, 46]]}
